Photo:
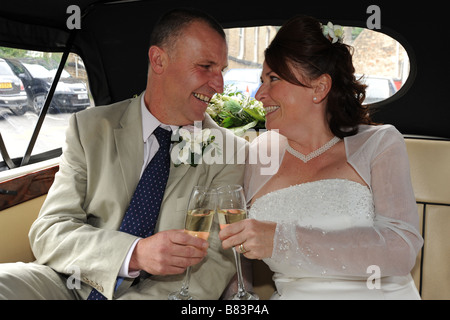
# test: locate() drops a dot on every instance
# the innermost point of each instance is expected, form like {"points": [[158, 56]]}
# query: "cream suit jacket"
{"points": [[99, 171]]}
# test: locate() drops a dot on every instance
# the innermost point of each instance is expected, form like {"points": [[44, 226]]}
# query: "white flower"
{"points": [[185, 134], [193, 142], [184, 154], [205, 135], [192, 145], [334, 32]]}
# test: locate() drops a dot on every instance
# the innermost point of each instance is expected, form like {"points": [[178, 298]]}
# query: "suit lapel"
{"points": [[177, 173], [130, 152]]}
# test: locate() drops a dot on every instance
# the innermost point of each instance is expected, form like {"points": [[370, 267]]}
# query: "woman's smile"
{"points": [[271, 109]]}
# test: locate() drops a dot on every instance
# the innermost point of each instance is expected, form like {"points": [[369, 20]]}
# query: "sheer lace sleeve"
{"points": [[392, 243], [265, 156]]}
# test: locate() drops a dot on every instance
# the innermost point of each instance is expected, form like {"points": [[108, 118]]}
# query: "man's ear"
{"points": [[322, 86], [157, 58]]}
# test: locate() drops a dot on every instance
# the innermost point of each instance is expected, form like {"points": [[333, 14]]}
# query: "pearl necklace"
{"points": [[315, 153]]}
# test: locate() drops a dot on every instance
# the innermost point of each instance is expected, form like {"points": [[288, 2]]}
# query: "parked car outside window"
{"points": [[246, 81], [70, 95], [12, 92], [378, 88]]}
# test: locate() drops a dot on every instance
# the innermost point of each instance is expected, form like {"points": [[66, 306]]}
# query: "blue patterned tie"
{"points": [[142, 214]]}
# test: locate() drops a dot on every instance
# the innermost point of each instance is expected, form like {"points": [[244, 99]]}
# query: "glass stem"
{"points": [[185, 286], [241, 287]]}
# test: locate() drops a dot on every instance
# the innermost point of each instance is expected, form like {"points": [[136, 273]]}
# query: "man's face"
{"points": [[193, 74]]}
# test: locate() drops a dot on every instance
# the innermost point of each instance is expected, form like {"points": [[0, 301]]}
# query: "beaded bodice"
{"points": [[332, 204]]}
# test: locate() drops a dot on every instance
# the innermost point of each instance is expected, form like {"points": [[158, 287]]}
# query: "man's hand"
{"points": [[168, 252]]}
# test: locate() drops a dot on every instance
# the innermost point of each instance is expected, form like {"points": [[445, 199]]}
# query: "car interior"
{"points": [[107, 42]]}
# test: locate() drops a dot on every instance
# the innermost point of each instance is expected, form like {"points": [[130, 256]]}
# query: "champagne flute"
{"points": [[199, 217], [231, 207]]}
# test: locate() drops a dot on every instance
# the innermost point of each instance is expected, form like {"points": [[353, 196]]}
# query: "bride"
{"points": [[337, 219]]}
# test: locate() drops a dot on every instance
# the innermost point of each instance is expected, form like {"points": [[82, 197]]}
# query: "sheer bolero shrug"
{"points": [[378, 154]]}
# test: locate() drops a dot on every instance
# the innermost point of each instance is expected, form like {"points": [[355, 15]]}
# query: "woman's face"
{"points": [[287, 105]]}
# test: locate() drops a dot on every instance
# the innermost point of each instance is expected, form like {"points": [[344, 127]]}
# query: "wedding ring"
{"points": [[242, 249]]}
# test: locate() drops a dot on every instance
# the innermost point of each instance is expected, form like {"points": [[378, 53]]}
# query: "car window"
{"points": [[5, 69], [246, 56], [38, 71], [19, 111], [380, 61]]}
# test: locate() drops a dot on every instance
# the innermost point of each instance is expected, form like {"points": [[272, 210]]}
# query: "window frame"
{"points": [[8, 163]]}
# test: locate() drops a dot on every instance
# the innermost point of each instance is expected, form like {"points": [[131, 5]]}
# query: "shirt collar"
{"points": [[150, 123]]}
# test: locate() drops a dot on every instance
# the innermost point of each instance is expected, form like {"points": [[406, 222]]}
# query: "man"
{"points": [[106, 152]]}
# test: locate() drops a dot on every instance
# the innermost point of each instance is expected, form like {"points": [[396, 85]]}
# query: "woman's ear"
{"points": [[157, 58], [321, 86]]}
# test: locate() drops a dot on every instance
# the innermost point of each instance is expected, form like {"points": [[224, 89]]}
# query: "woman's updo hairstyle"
{"points": [[301, 44]]}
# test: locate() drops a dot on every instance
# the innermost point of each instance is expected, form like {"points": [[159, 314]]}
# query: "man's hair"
{"points": [[171, 25]]}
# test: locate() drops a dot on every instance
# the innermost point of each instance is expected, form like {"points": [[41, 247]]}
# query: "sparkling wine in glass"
{"points": [[231, 208], [199, 218]]}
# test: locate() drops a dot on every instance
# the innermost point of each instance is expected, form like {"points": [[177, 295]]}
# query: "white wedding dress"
{"points": [[335, 239]]}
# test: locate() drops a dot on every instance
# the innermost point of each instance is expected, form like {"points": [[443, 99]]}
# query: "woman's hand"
{"points": [[255, 236]]}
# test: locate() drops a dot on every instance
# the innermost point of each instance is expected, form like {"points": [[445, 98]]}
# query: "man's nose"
{"points": [[216, 82]]}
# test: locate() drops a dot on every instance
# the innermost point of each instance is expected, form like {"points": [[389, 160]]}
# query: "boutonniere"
{"points": [[192, 146]]}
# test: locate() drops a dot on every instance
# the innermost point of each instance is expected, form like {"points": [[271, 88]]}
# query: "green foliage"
{"points": [[236, 111]]}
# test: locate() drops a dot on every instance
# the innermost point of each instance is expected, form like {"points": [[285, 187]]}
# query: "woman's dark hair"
{"points": [[300, 43]]}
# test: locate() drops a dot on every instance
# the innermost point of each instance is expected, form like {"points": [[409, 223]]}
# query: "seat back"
{"points": [[430, 175], [15, 222]]}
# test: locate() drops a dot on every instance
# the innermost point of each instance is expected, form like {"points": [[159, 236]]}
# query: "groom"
{"points": [[106, 151]]}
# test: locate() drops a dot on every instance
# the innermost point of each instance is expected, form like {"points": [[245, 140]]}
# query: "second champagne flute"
{"points": [[232, 207], [199, 217]]}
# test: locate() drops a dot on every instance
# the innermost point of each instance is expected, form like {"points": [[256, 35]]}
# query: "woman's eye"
{"points": [[270, 79]]}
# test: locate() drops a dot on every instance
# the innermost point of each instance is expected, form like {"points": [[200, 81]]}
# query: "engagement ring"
{"points": [[242, 249]]}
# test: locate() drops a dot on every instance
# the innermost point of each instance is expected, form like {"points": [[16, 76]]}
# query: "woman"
{"points": [[338, 218]]}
